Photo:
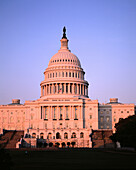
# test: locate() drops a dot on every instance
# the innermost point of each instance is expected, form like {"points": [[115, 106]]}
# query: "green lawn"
{"points": [[72, 159]]}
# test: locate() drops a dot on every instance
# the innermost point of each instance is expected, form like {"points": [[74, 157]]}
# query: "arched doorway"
{"points": [[81, 135], [57, 144], [63, 144], [73, 135], [50, 144], [41, 135], [49, 136], [65, 135], [58, 135]]}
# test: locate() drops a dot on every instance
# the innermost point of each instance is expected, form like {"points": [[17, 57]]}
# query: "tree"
{"points": [[126, 132]]}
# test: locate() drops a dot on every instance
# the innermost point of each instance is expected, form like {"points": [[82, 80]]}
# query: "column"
{"points": [[72, 112], [51, 112], [41, 91], [81, 115], [64, 88], [77, 89], [64, 112], [73, 88], [61, 88], [45, 90], [70, 116], [69, 88], [57, 88], [80, 89], [83, 89]]}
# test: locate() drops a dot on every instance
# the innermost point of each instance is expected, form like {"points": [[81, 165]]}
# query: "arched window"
{"points": [[58, 135], [33, 135], [41, 135], [69, 74], [56, 74], [65, 135], [81, 135], [73, 135], [66, 74], [49, 136], [53, 74]]}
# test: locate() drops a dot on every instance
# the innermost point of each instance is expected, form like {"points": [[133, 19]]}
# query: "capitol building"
{"points": [[64, 113]]}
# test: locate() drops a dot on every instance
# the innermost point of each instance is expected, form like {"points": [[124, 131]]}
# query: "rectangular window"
{"points": [[107, 119], [108, 127], [62, 88], [66, 88], [70, 88], [90, 116], [101, 119]]}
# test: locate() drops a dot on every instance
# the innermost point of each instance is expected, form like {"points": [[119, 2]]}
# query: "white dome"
{"points": [[64, 58]]}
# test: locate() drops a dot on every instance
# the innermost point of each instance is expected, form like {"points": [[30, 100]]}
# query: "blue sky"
{"points": [[102, 33]]}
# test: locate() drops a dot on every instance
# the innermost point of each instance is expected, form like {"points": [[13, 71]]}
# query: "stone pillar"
{"points": [[77, 89], [69, 88], [51, 112], [45, 90], [70, 116], [73, 89], [80, 89], [64, 88], [41, 91], [64, 112], [57, 114], [83, 89], [72, 112], [61, 88]]}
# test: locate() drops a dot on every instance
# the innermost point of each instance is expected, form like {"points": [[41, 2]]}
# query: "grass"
{"points": [[72, 159]]}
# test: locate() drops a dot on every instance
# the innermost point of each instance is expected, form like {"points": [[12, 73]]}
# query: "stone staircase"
{"points": [[10, 138]]}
